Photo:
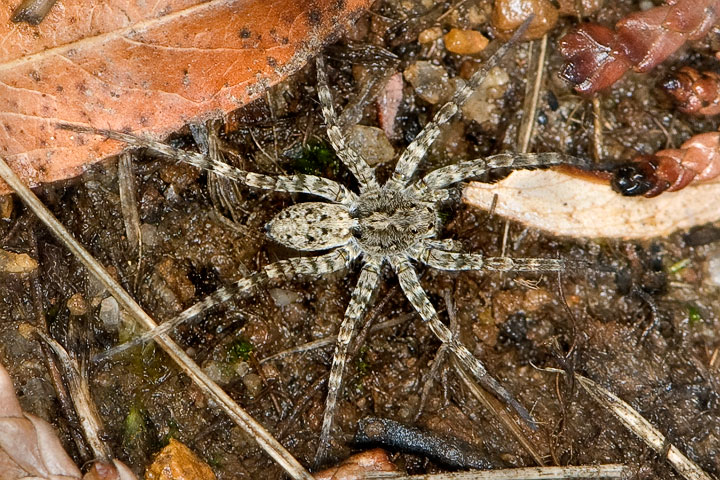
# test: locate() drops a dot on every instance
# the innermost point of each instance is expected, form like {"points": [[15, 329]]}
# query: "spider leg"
{"points": [[454, 261], [418, 298], [352, 159], [329, 262], [446, 244], [359, 301], [409, 160], [309, 184], [446, 176]]}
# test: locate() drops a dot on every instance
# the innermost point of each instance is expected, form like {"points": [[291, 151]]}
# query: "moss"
{"points": [[315, 158], [240, 349]]}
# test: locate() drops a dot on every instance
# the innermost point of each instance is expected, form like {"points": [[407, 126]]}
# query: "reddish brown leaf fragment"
{"points": [[695, 92], [145, 67], [594, 62], [696, 161], [597, 56]]}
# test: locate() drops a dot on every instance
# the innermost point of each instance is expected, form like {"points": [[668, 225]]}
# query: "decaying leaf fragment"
{"points": [[147, 67], [567, 205]]}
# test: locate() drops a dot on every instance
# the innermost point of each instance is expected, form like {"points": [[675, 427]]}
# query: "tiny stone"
{"points": [[508, 15], [713, 267], [465, 42], [482, 106], [253, 383], [27, 331], [242, 368], [77, 305], [372, 142], [178, 462], [429, 81], [109, 313], [6, 206], [16, 262], [219, 373], [430, 35], [646, 5], [283, 298], [583, 8], [149, 234]]}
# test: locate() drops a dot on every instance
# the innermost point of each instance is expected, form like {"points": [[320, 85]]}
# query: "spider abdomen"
{"points": [[311, 226]]}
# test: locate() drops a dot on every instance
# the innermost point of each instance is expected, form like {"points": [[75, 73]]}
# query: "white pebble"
{"points": [[371, 142]]}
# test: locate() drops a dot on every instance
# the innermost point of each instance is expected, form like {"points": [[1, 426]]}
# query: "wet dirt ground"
{"points": [[657, 350]]}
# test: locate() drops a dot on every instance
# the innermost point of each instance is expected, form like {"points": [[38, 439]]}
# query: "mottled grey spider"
{"points": [[396, 223]]}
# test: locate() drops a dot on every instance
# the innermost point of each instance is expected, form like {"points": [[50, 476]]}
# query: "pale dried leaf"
{"points": [[30, 448], [567, 205], [149, 67], [28, 444], [109, 471]]}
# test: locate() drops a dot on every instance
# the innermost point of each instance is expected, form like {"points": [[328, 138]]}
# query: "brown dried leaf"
{"points": [[148, 67], [566, 205]]}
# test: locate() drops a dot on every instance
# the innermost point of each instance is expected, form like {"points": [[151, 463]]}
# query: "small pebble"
{"points": [[219, 372], [372, 142], [713, 267], [109, 313], [430, 35], [388, 104], [149, 234], [242, 369], [283, 298], [508, 15], [16, 262], [483, 105], [429, 81], [465, 42], [6, 206], [77, 305], [581, 8], [358, 466], [178, 462], [253, 383]]}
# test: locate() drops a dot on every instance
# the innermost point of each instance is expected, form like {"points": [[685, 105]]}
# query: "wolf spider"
{"points": [[396, 223]]}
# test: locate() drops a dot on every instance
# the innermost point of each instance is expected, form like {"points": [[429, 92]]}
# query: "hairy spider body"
{"points": [[395, 224], [390, 222]]}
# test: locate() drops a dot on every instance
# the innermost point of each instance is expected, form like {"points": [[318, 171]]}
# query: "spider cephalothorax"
{"points": [[394, 224], [390, 222]]}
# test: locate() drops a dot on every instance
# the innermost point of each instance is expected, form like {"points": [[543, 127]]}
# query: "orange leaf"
{"points": [[147, 67]]}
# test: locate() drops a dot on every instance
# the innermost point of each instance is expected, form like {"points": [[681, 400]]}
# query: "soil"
{"points": [[643, 321]]}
